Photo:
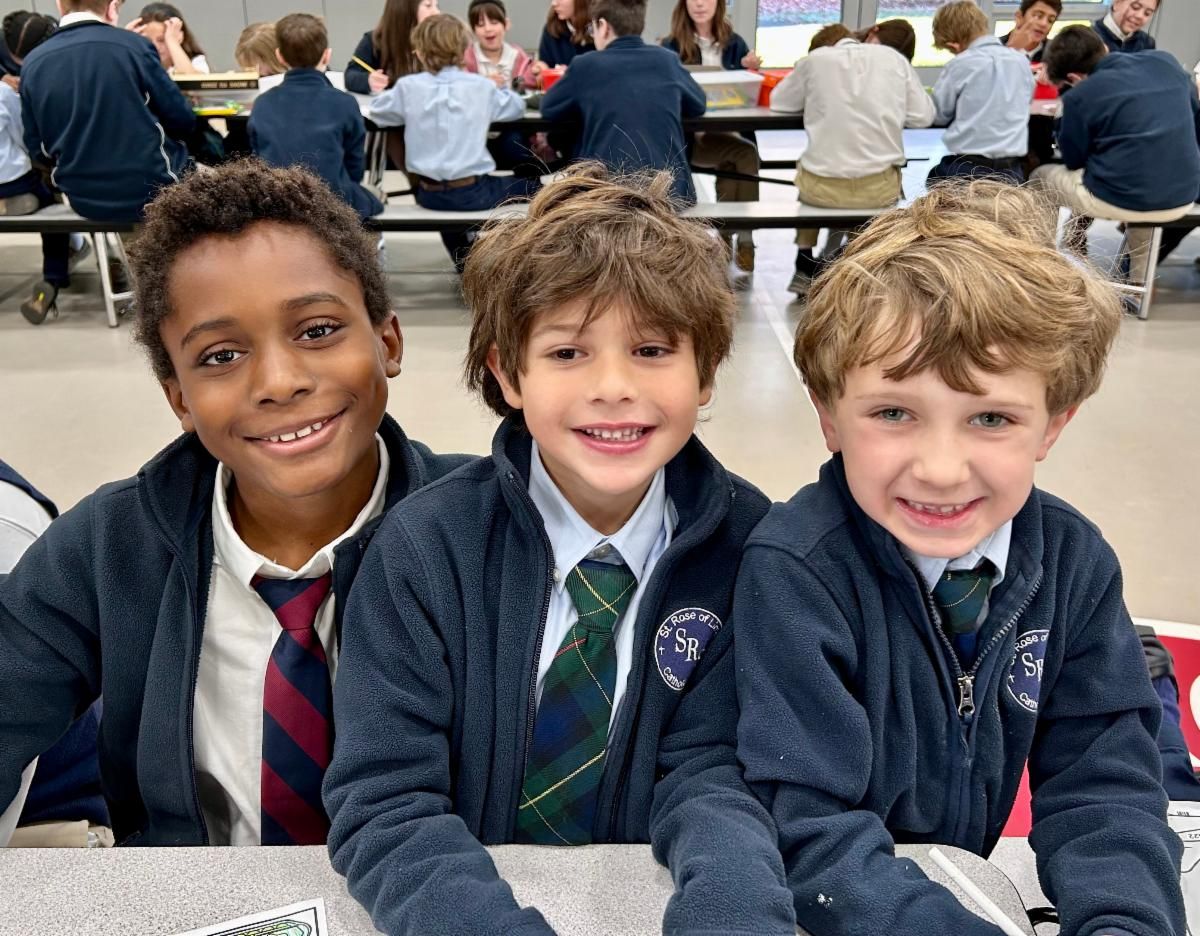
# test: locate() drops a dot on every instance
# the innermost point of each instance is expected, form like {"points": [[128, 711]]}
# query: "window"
{"points": [[785, 28], [920, 14]]}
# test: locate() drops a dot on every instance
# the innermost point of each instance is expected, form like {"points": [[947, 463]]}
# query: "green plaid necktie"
{"points": [[558, 797], [959, 597]]}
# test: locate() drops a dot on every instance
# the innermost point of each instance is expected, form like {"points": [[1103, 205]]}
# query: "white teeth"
{"points": [[942, 509], [616, 435], [298, 434]]}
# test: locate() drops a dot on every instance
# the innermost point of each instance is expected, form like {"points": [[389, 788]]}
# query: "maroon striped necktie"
{"points": [[297, 715]]}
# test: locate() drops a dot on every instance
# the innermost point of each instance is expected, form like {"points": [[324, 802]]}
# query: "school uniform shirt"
{"points": [[446, 119], [861, 733], [14, 161], [639, 544], [983, 93], [562, 50], [728, 56], [1118, 41], [436, 705], [515, 66], [856, 100], [236, 647], [631, 100], [357, 77], [306, 121], [993, 548], [112, 157]]}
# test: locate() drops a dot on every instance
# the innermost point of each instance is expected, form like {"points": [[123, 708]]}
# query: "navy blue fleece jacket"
{"points": [[631, 99], [435, 706], [112, 598], [860, 730]]}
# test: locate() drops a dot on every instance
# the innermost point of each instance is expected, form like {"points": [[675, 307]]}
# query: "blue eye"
{"points": [[891, 414], [990, 421]]}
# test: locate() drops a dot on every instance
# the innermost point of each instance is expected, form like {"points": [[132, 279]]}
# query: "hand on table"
{"points": [[537, 68], [751, 60], [378, 81]]}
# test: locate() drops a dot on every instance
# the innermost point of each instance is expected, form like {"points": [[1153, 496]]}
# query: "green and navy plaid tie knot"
{"points": [[960, 596], [566, 760]]}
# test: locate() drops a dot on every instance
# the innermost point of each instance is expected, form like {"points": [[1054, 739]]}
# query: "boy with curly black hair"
{"points": [[208, 590]]}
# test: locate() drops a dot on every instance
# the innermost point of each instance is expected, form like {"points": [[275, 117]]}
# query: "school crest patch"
{"points": [[680, 643], [1025, 673]]}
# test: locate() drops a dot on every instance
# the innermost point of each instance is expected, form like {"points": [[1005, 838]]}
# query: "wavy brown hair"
{"points": [[160, 13], [393, 39], [579, 20], [683, 31]]}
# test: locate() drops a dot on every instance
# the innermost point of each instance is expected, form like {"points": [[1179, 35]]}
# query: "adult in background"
{"points": [[1128, 137], [1033, 21], [1123, 28]]}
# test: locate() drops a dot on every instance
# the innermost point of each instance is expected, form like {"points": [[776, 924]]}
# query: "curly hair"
{"points": [[224, 203], [602, 240]]}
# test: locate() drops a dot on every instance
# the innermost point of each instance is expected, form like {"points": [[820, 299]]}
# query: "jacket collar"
{"points": [[626, 42], [305, 76]]}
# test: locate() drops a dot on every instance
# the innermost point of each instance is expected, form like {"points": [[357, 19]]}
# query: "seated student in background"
{"points": [[565, 34], [308, 122], [1179, 777], [490, 55], [177, 48], [1129, 137], [630, 100], [23, 189], [1033, 21], [1123, 28], [64, 801], [856, 98], [266, 318], [983, 95], [702, 34], [539, 651], [255, 50], [111, 157], [446, 112], [388, 47], [896, 34], [922, 621]]}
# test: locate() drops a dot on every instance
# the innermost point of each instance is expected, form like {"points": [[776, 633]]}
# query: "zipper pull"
{"points": [[966, 696]]}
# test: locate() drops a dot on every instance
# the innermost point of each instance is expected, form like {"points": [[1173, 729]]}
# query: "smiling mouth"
{"points": [[626, 434], [939, 511], [302, 432]]}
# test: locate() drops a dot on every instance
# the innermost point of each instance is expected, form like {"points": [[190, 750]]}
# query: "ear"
{"points": [[828, 424], [392, 341], [1053, 429], [280, 59], [112, 12], [174, 395], [507, 24], [512, 392], [324, 63]]}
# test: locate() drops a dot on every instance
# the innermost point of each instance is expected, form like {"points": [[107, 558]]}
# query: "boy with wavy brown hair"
{"points": [[922, 621]]}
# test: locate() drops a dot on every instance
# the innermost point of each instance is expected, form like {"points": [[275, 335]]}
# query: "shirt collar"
{"points": [[985, 41], [1113, 28], [993, 547], [573, 539], [244, 563], [81, 17]]}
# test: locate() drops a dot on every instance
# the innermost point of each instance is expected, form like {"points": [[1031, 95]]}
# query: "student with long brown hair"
{"points": [[702, 34], [565, 34], [176, 45], [388, 47]]}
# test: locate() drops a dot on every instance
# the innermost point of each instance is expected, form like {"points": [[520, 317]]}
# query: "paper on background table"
{"points": [[1184, 818], [300, 919]]}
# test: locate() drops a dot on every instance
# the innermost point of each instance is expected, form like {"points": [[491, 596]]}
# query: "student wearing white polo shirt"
{"points": [[856, 98]]}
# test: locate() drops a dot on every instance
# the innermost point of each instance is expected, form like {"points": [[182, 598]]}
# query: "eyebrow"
{"points": [[291, 305], [556, 329], [211, 325], [893, 398]]}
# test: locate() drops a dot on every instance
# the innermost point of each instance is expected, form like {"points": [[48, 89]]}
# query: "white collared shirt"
{"points": [[640, 543], [856, 100], [239, 633], [993, 547], [1113, 28], [81, 17], [710, 51]]}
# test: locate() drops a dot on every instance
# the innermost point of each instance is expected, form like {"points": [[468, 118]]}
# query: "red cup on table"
{"points": [[551, 75]]}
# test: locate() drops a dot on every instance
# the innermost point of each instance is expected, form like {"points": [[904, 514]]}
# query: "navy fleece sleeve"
{"points": [[406, 856], [806, 747], [706, 825], [355, 75], [355, 143], [694, 101], [1073, 133], [165, 99], [1106, 856], [561, 102], [49, 648]]}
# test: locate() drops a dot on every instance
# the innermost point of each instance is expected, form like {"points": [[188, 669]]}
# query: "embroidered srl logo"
{"points": [[1025, 674], [680, 643]]}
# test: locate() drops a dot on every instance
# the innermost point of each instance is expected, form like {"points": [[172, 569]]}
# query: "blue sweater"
{"points": [[114, 596], [859, 729], [307, 121], [1140, 41], [435, 701], [1133, 126], [631, 99], [561, 50], [100, 108]]}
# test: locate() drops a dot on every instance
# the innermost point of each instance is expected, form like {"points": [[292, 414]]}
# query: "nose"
{"points": [[613, 379], [940, 462], [281, 376]]}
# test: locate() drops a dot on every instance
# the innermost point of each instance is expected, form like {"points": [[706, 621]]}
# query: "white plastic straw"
{"points": [[971, 889]]}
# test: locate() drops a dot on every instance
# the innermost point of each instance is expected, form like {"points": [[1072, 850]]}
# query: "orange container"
{"points": [[551, 75], [771, 78]]}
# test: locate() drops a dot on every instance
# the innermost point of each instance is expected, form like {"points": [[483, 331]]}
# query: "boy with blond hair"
{"points": [[539, 651], [983, 94], [922, 621]]}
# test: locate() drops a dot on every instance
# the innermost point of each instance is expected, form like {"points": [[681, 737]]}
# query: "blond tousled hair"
{"points": [[961, 23], [255, 50], [966, 278], [605, 241], [440, 41]]}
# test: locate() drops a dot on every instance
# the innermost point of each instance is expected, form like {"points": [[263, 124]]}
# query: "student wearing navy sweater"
{"points": [[1129, 137], [538, 649], [306, 121], [630, 100], [171, 589], [111, 156], [565, 35], [1123, 28], [922, 621]]}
